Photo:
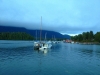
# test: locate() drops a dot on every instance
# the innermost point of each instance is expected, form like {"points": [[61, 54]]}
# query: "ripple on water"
{"points": [[62, 59]]}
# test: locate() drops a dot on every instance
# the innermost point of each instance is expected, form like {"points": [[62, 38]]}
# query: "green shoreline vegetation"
{"points": [[22, 36], [15, 36], [87, 38]]}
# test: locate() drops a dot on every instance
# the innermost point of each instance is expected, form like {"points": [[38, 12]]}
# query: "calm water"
{"points": [[19, 58]]}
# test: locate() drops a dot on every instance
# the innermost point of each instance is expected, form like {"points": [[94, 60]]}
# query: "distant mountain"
{"points": [[49, 34]]}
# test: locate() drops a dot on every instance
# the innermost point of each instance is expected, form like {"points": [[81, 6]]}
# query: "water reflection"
{"points": [[97, 53], [44, 51], [11, 53], [56, 48], [14, 44], [62, 59], [88, 50]]}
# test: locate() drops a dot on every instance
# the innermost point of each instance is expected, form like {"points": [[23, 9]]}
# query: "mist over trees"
{"points": [[87, 37]]}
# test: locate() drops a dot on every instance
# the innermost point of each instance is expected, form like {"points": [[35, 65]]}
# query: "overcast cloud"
{"points": [[64, 16]]}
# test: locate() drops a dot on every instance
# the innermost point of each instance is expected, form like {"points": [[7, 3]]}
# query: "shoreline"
{"points": [[89, 43]]}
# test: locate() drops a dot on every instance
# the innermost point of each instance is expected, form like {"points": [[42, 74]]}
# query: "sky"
{"points": [[65, 16]]}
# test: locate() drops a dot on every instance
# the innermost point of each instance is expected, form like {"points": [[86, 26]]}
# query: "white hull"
{"points": [[45, 46]]}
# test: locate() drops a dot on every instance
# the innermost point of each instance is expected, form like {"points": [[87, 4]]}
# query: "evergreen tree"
{"points": [[97, 37], [15, 36]]}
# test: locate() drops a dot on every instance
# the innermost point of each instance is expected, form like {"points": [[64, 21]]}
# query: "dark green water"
{"points": [[19, 58]]}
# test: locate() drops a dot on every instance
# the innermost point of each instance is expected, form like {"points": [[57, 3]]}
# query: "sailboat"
{"points": [[54, 40], [45, 44], [42, 45], [37, 44]]}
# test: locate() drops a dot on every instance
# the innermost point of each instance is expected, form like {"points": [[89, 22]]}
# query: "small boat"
{"points": [[36, 45]]}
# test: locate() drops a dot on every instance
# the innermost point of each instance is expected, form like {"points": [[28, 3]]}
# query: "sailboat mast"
{"points": [[41, 29]]}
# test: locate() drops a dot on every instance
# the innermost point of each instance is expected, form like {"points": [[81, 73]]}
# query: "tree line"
{"points": [[87, 37], [15, 36]]}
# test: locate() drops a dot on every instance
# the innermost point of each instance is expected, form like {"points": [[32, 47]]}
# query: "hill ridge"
{"points": [[50, 34]]}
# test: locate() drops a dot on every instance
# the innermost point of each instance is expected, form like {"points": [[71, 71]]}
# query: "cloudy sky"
{"points": [[64, 16]]}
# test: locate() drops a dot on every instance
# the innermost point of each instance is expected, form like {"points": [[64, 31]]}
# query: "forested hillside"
{"points": [[15, 36], [49, 34], [87, 37]]}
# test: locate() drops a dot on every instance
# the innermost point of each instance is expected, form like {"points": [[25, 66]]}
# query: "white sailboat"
{"points": [[54, 40], [45, 45], [37, 45], [42, 45]]}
